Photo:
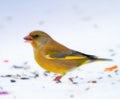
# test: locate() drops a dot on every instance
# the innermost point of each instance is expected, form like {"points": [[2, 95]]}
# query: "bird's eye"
{"points": [[35, 36]]}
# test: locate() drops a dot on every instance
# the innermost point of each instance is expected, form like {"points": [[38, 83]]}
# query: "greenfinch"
{"points": [[55, 57]]}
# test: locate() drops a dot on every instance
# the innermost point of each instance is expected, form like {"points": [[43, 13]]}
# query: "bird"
{"points": [[56, 57]]}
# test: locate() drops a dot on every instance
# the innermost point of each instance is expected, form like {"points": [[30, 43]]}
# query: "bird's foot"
{"points": [[58, 79]]}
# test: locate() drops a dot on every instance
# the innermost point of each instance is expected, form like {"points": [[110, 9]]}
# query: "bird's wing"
{"points": [[69, 55]]}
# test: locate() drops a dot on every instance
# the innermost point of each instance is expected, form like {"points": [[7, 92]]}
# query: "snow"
{"points": [[88, 26]]}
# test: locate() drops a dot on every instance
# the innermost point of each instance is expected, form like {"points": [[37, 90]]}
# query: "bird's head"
{"points": [[38, 38]]}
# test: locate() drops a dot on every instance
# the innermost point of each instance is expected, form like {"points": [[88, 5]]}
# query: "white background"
{"points": [[89, 26]]}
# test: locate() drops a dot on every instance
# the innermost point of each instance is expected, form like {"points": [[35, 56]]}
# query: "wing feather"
{"points": [[69, 55]]}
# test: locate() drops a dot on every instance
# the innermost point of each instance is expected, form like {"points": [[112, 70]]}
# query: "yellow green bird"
{"points": [[55, 57]]}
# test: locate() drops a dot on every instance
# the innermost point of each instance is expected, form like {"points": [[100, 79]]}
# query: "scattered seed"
{"points": [[109, 75], [3, 93], [109, 69], [8, 76], [94, 81], [17, 67], [5, 61], [113, 54], [116, 72], [71, 79], [88, 88], [24, 78], [76, 76], [13, 81], [36, 74], [18, 75], [100, 78], [25, 63], [46, 73], [71, 96], [43, 86]]}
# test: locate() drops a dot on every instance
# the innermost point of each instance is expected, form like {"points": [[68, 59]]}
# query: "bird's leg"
{"points": [[58, 79]]}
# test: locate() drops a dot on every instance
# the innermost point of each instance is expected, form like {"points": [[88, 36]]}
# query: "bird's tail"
{"points": [[102, 59], [94, 58], [97, 60]]}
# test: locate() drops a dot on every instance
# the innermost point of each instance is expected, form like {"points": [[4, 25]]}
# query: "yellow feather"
{"points": [[65, 58]]}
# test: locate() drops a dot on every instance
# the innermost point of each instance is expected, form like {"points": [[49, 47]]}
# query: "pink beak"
{"points": [[28, 38]]}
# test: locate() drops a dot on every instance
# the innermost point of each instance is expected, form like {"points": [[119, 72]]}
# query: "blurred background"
{"points": [[86, 26], [89, 26]]}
